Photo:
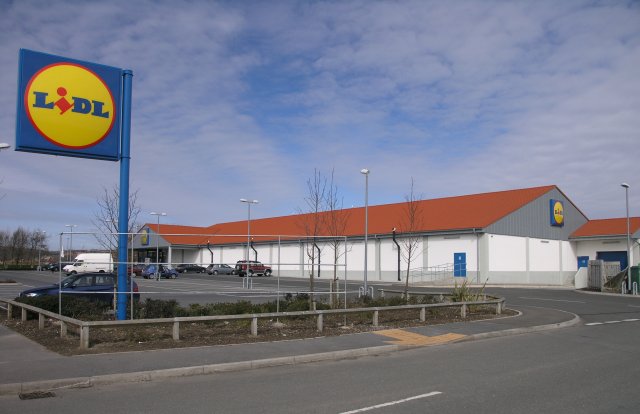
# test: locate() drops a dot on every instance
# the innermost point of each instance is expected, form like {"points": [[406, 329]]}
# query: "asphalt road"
{"points": [[590, 368]]}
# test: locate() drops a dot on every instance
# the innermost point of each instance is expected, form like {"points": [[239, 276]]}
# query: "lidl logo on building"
{"points": [[144, 237], [556, 213], [68, 107]]}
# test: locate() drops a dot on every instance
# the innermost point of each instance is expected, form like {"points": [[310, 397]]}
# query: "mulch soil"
{"points": [[148, 337]]}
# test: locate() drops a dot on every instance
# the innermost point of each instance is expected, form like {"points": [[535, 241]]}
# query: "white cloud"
{"points": [[245, 99]]}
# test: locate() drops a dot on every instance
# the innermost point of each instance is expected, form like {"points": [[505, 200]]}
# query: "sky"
{"points": [[245, 99]]}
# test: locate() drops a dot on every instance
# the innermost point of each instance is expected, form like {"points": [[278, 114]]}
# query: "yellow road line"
{"points": [[403, 337]]}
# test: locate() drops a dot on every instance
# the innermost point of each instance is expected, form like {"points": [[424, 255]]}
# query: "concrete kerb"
{"points": [[144, 376]]}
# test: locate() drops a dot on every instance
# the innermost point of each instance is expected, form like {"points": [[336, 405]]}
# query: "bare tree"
{"points": [[335, 223], [311, 224], [5, 246], [106, 218], [411, 223], [19, 243]]}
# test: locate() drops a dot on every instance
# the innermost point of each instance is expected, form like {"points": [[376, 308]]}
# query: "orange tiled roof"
{"points": [[608, 227], [442, 214]]}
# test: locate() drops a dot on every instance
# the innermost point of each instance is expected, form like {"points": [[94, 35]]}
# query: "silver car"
{"points": [[220, 269]]}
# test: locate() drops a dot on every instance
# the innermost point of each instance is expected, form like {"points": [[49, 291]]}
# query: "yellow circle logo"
{"points": [[70, 105], [558, 212]]}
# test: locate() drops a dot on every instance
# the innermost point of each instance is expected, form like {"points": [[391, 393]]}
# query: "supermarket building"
{"points": [[531, 236]]}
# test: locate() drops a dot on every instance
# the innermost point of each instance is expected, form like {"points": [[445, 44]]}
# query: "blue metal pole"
{"points": [[123, 214]]}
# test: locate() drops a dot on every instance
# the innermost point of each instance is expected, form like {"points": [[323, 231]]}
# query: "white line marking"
{"points": [[373, 407], [612, 322], [630, 320], [633, 306], [593, 323], [554, 300]]}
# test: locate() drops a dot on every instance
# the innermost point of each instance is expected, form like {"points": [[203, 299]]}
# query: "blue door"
{"points": [[614, 257], [583, 261], [460, 264]]}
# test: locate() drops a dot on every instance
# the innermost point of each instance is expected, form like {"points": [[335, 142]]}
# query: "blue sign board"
{"points": [[68, 107]]}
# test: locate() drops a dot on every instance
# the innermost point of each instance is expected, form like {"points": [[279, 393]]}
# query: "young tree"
{"points": [[335, 223], [411, 223], [311, 223], [106, 218]]}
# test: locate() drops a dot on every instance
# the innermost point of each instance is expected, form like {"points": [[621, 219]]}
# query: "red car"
{"points": [[135, 270], [255, 268]]}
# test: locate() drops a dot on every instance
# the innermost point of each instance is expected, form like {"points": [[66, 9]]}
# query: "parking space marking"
{"points": [[403, 337]]}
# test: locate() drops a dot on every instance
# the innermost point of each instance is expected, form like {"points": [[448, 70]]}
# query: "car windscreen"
{"points": [[68, 281]]}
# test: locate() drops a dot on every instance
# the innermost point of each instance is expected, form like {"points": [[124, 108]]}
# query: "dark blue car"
{"points": [[91, 286], [149, 272]]}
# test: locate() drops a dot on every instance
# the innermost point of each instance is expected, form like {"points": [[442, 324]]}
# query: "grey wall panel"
{"points": [[533, 220]]}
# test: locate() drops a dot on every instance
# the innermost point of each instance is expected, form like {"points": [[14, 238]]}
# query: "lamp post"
{"points": [[70, 238], [393, 232], [153, 213], [248, 202], [43, 232], [629, 252], [365, 171]]}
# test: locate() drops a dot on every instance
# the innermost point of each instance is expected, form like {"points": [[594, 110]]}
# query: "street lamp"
{"points": [[70, 238], [248, 202], [153, 213], [629, 252], [40, 242], [365, 171], [4, 145]]}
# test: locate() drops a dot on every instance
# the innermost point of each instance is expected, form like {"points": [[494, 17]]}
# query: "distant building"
{"points": [[531, 236]]}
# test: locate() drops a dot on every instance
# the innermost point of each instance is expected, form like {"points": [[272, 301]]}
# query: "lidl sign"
{"points": [[68, 107], [556, 212]]}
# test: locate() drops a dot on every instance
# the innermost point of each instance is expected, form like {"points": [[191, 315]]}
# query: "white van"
{"points": [[90, 262]]}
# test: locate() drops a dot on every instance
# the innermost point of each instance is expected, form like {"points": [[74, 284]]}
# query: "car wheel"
{"points": [[215, 272], [267, 273], [74, 273]]}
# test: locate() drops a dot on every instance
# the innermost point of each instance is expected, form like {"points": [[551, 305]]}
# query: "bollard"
{"points": [[40, 321], [23, 314], [63, 329], [254, 326], [320, 321], [463, 311], [176, 331], [9, 311], [375, 318], [423, 314]]}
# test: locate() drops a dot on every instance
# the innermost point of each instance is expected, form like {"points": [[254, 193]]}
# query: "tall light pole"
{"points": [[70, 238], [365, 171], [153, 213], [248, 202], [44, 233], [629, 252]]}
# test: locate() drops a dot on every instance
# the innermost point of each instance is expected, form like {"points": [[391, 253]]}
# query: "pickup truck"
{"points": [[255, 268]]}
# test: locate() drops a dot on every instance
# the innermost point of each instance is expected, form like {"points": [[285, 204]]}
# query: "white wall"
{"points": [[507, 253], [440, 250]]}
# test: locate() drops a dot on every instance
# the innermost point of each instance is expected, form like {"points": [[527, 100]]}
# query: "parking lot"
{"points": [[189, 287]]}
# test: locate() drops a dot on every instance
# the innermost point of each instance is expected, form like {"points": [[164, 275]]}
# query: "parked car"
{"points": [[90, 262], [220, 269], [91, 286], [135, 270], [149, 272], [255, 268], [55, 267], [189, 267]]}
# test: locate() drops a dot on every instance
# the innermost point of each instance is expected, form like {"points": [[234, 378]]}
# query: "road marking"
{"points": [[610, 322], [409, 338], [554, 300], [388, 404], [633, 306]]}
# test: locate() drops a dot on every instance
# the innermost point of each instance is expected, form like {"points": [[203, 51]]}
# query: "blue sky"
{"points": [[244, 99]]}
